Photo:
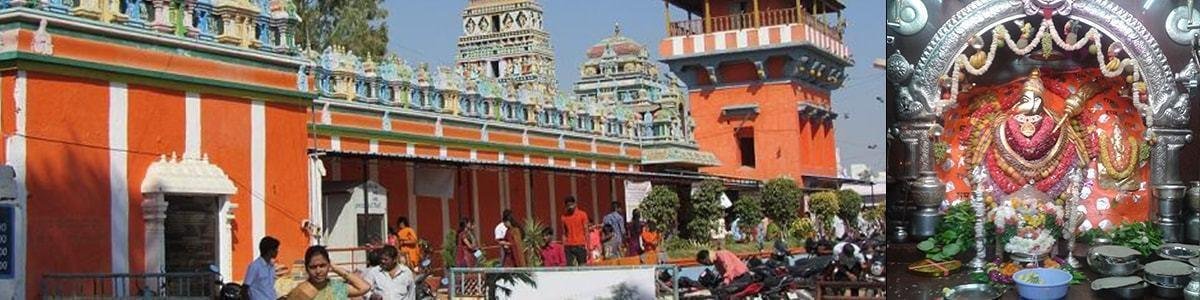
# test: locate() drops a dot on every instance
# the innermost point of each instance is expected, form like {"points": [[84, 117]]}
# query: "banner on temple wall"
{"points": [[587, 284], [635, 191], [433, 182]]}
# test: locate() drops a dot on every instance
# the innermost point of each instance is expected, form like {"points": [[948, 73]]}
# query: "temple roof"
{"points": [[619, 44], [482, 3], [697, 6]]}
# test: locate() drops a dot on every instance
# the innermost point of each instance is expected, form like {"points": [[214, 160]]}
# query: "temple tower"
{"points": [[759, 75], [504, 39]]}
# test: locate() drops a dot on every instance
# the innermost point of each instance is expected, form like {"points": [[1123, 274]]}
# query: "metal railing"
{"points": [[357, 257], [846, 290], [743, 21], [199, 285], [469, 282], [731, 22]]}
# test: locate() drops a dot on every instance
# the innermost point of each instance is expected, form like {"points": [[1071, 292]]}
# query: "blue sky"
{"points": [[427, 30]]}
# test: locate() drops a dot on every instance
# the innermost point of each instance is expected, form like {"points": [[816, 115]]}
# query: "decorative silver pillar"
{"points": [[927, 191], [979, 176], [1168, 189], [1074, 216]]}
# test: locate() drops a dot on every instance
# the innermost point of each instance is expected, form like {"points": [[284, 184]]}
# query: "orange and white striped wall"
{"points": [[83, 124], [699, 44], [81, 148]]}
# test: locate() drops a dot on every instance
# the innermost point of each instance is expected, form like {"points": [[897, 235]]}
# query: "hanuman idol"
{"points": [[1027, 145]]}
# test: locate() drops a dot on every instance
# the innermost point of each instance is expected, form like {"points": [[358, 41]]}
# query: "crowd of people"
{"points": [[392, 266], [580, 241], [388, 276]]}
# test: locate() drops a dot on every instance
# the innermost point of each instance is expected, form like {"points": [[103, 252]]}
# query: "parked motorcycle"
{"points": [[424, 291], [227, 290]]}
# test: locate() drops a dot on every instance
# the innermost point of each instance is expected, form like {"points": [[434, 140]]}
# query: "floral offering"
{"points": [[1002, 273], [1027, 226]]}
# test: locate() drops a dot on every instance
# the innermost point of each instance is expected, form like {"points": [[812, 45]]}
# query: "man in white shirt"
{"points": [[390, 280], [857, 251], [260, 275], [502, 232]]}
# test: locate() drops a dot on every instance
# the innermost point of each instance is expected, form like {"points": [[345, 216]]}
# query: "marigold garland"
{"points": [[1118, 170]]}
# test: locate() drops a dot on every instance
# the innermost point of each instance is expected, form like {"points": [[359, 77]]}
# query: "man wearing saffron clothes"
{"points": [[728, 264], [575, 223]]}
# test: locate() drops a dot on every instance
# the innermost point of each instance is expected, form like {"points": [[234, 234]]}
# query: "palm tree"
{"points": [[533, 242], [504, 282]]}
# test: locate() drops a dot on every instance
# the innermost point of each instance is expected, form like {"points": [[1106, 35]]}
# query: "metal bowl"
{"points": [[1168, 273], [1113, 260], [975, 291], [1133, 291], [1167, 292], [1177, 252], [1128, 287], [1025, 258]]}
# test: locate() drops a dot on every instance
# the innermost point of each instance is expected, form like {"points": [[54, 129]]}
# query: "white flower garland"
{"points": [[1040, 244], [1092, 36]]}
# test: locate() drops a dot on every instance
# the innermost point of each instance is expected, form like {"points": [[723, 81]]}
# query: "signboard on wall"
{"points": [[376, 199], [434, 182], [7, 239], [634, 193]]}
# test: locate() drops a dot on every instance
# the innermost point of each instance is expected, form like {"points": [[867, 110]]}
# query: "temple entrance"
{"points": [[191, 233]]}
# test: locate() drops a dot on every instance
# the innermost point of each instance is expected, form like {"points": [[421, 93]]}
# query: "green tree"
{"points": [[358, 25], [748, 208], [802, 228], [780, 198], [706, 209], [850, 204], [825, 206], [661, 206]]}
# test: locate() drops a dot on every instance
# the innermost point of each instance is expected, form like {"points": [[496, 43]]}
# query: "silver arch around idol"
{"points": [[918, 98]]}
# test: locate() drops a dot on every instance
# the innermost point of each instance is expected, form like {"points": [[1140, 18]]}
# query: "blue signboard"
{"points": [[7, 261]]}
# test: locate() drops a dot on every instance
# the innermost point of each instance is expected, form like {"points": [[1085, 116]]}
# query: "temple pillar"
{"points": [[1168, 189], [161, 13], [927, 191], [188, 6], [154, 212]]}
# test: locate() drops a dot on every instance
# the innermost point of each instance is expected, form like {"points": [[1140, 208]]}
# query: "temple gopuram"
{"points": [[620, 78]]}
